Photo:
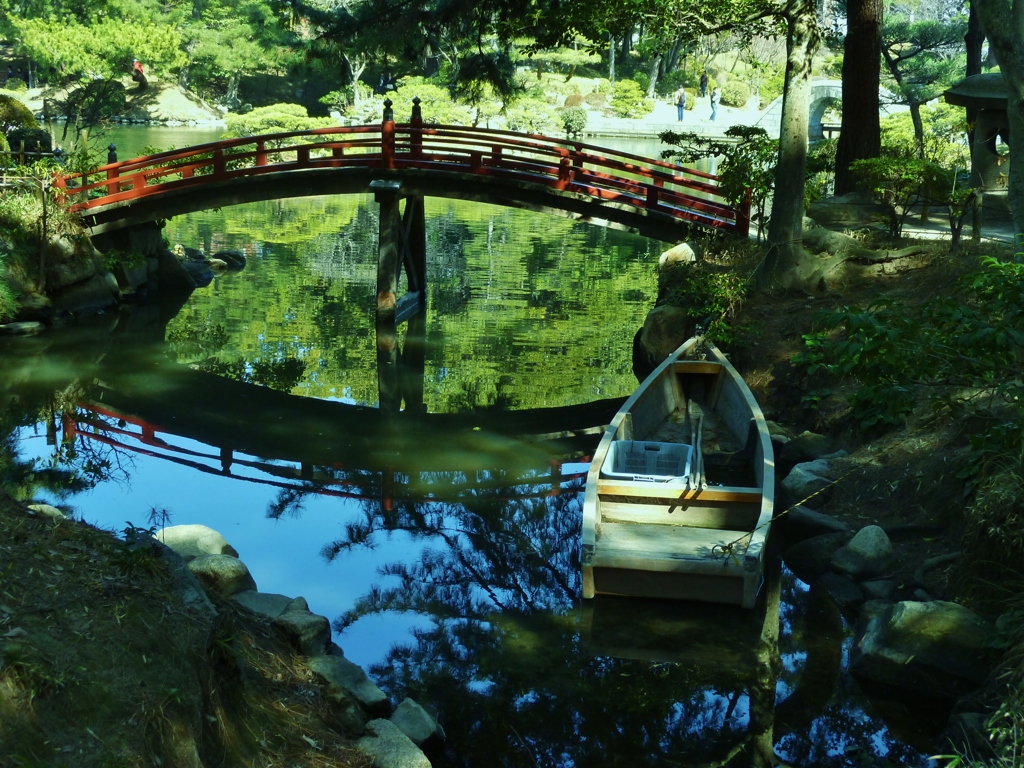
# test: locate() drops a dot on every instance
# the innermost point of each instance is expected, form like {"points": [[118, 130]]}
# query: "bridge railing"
{"points": [[618, 178]]}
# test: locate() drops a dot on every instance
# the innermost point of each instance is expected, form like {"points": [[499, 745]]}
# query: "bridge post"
{"points": [[743, 214], [388, 195], [387, 136], [416, 129]]}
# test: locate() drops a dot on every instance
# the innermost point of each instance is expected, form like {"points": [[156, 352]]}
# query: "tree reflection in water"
{"points": [[520, 673]]}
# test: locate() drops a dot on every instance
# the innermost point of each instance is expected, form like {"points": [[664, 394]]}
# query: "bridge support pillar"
{"points": [[402, 241]]}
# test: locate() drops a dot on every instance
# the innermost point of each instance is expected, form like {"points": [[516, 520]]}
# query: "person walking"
{"points": [[716, 96], [680, 104], [704, 84]]}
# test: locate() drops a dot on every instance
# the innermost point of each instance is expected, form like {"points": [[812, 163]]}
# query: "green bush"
{"points": [[735, 94], [14, 114], [277, 118], [629, 101], [574, 120], [643, 80], [574, 100], [17, 85], [595, 99], [603, 85], [530, 116], [691, 98]]}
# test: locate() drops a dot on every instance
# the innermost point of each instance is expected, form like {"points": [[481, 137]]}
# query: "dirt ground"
{"points": [[901, 479]]}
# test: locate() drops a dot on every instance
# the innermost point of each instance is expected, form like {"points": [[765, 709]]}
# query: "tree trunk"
{"points": [[974, 40], [231, 97], [786, 266], [860, 136], [672, 61], [611, 59], [655, 69], [1003, 24]]}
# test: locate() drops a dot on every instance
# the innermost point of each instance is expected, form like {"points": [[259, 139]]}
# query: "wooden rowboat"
{"points": [[681, 489]]}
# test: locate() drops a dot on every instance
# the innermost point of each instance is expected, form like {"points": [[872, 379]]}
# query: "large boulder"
{"points": [[805, 481], [869, 554], [336, 670], [684, 253], [388, 747], [801, 523], [928, 649], [665, 328], [234, 259], [807, 446], [416, 723], [222, 574], [307, 631], [810, 558], [192, 541], [265, 604], [95, 293], [172, 275]]}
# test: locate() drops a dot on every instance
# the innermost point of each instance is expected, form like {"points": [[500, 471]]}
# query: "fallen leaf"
{"points": [[310, 741], [16, 632], [5, 609]]}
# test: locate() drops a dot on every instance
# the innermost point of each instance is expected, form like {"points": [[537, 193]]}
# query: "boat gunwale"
{"points": [[764, 464]]}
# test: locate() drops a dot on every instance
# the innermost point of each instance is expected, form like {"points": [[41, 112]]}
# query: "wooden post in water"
{"points": [[388, 195]]}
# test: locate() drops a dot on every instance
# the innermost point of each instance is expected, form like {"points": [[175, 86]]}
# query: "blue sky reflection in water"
{"points": [[464, 591]]}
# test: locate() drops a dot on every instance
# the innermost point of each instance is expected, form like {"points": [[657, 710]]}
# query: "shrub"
{"points": [[595, 99], [643, 80], [735, 94], [574, 100], [530, 116], [894, 182], [603, 85], [574, 120], [36, 139], [691, 98], [14, 114], [628, 100], [277, 118], [17, 85]]}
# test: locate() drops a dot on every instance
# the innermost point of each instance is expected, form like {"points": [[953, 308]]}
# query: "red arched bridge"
{"points": [[616, 189]]}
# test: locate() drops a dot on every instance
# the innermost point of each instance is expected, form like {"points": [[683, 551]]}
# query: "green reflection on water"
{"points": [[524, 310]]}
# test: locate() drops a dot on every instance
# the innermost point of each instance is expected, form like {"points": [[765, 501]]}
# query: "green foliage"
{"points": [[8, 304], [574, 121], [735, 94], [748, 162], [14, 114], [706, 293], [104, 47], [643, 80], [138, 553], [436, 103], [277, 118], [671, 82], [628, 100], [603, 85], [945, 136], [896, 183], [16, 85], [961, 351], [821, 166], [530, 116]]}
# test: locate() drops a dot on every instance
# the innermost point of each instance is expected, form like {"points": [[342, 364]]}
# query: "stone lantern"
{"points": [[987, 94]]}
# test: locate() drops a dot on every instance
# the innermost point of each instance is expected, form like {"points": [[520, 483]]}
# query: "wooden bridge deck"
{"points": [[614, 188]]}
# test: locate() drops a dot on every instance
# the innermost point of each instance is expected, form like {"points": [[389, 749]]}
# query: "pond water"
{"points": [[445, 549]]}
